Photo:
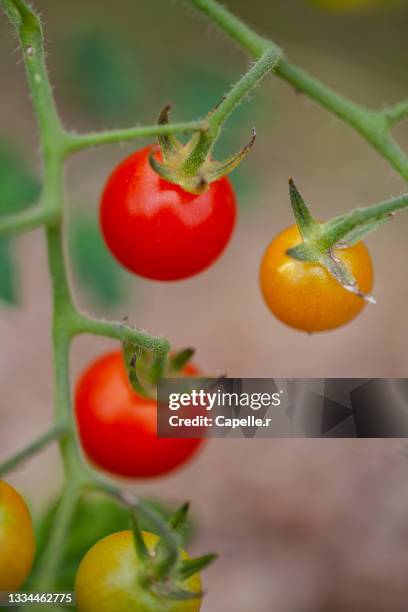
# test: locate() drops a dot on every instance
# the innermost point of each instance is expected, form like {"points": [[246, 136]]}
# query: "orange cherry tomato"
{"points": [[304, 295], [17, 544]]}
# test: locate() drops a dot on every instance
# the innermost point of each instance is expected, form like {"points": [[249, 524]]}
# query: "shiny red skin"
{"points": [[156, 229], [117, 427]]}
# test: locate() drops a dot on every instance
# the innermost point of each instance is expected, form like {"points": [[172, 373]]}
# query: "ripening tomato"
{"points": [[304, 295], [158, 230], [17, 544], [118, 427], [108, 579]]}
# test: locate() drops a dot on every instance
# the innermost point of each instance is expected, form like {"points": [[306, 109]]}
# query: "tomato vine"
{"points": [[58, 143]]}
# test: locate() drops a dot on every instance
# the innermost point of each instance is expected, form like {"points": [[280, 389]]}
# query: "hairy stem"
{"points": [[333, 231], [121, 332], [266, 63], [78, 142], [396, 113], [54, 433], [169, 538], [372, 125]]}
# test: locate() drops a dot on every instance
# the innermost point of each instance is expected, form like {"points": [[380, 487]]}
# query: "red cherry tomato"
{"points": [[118, 428], [158, 230]]}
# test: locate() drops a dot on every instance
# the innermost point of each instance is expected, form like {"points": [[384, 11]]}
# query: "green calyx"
{"points": [[145, 368], [321, 240], [164, 570], [190, 165]]}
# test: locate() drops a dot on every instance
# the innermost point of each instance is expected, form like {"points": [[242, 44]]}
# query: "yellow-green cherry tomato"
{"points": [[17, 545], [109, 579], [304, 295]]}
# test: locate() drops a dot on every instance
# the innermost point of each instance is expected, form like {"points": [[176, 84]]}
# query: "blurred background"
{"points": [[301, 525]]}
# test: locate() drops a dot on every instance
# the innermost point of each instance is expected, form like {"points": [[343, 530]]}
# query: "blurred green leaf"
{"points": [[95, 518], [96, 270], [19, 188], [102, 74]]}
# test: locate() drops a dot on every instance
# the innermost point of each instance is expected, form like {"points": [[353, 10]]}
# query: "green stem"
{"points": [[29, 28], [334, 231], [64, 314], [56, 143], [170, 539], [121, 332], [54, 433], [396, 113], [78, 142], [371, 125], [53, 552], [28, 220], [233, 26], [267, 62]]}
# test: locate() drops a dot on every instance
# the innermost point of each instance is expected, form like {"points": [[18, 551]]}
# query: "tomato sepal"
{"points": [[162, 572], [131, 356], [190, 165], [180, 359], [176, 593], [190, 567], [138, 539], [320, 240], [343, 275], [309, 228], [351, 237]]}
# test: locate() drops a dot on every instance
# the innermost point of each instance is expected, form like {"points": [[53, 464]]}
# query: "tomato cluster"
{"points": [[160, 231]]}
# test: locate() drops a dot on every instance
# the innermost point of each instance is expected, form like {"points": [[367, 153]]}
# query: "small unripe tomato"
{"points": [[118, 427], [304, 295], [109, 579], [17, 545], [156, 229]]}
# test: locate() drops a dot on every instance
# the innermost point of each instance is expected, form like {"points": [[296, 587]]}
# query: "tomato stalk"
{"points": [[55, 432], [372, 125], [78, 142], [57, 144], [131, 356], [68, 322], [396, 113], [191, 166]]}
